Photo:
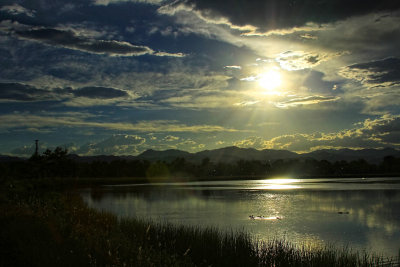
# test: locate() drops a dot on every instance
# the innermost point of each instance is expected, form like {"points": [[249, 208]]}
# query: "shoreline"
{"points": [[89, 181]]}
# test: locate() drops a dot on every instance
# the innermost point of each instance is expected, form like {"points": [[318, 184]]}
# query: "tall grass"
{"points": [[54, 229]]}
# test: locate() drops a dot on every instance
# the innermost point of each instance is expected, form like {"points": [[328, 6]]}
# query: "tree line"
{"points": [[58, 163]]}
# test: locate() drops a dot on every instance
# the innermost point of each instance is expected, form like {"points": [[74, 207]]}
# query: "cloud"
{"points": [[165, 54], [246, 103], [116, 144], [26, 151], [203, 23], [69, 39], [315, 82], [270, 14], [249, 79], [109, 2], [376, 83], [204, 100], [23, 92], [27, 120], [309, 36], [376, 34], [371, 133], [308, 100], [187, 142], [171, 138], [93, 95], [308, 27], [100, 92], [178, 7], [189, 90], [250, 142], [234, 67], [378, 73], [298, 60], [385, 129], [16, 9], [119, 144]]}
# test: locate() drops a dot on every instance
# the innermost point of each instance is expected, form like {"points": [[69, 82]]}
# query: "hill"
{"points": [[233, 154], [370, 155]]}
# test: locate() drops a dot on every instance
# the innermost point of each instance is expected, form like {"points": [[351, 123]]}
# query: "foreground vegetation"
{"points": [[41, 227]]}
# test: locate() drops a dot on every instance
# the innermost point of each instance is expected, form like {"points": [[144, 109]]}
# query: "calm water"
{"points": [[361, 213]]}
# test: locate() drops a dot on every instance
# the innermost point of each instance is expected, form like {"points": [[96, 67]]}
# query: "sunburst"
{"points": [[270, 81]]}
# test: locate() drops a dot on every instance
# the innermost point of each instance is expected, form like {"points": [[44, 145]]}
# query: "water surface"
{"points": [[361, 213]]}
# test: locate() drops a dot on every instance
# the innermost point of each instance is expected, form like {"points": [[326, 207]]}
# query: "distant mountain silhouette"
{"points": [[103, 158], [167, 155], [232, 154], [370, 155], [4, 158]]}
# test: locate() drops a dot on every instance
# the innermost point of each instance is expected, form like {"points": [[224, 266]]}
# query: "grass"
{"points": [[46, 228]]}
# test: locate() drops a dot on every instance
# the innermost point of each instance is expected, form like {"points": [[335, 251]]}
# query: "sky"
{"points": [[123, 76]]}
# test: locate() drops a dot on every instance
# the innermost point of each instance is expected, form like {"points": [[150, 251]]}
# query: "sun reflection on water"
{"points": [[279, 184]]}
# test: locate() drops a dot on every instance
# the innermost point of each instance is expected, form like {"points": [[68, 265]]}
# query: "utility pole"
{"points": [[37, 148]]}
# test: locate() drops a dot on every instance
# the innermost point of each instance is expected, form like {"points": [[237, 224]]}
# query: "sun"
{"points": [[270, 81]]}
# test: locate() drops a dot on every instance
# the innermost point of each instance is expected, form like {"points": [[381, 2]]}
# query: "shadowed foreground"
{"points": [[57, 229]]}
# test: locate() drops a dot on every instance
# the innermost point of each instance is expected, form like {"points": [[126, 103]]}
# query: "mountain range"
{"points": [[232, 154]]}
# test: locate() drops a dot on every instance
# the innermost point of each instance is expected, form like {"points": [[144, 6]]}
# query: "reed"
{"points": [[59, 229]]}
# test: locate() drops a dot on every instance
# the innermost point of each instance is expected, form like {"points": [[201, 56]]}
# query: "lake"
{"points": [[363, 214]]}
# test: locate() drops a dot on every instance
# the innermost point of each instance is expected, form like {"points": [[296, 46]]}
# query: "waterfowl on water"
{"points": [[343, 212]]}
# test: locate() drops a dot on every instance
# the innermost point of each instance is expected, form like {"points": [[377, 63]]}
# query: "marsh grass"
{"points": [[58, 229]]}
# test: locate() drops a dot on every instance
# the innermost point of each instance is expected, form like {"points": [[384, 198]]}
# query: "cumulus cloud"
{"points": [[16, 9], [171, 138], [385, 129], [372, 133], [119, 144], [187, 142], [23, 151], [250, 142]]}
